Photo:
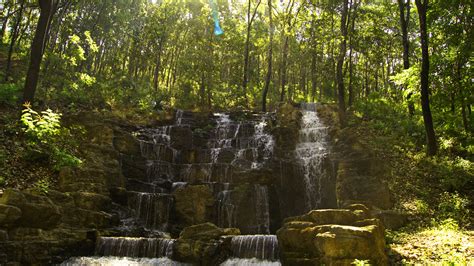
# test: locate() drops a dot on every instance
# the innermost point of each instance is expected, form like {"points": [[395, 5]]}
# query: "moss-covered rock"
{"points": [[9, 215], [193, 204], [204, 244], [37, 211], [332, 237]]}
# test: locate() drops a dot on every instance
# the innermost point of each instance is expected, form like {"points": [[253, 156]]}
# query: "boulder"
{"points": [[91, 201], [332, 237], [125, 143], [204, 244], [328, 216], [206, 231], [37, 211], [9, 215], [193, 204], [181, 137]]}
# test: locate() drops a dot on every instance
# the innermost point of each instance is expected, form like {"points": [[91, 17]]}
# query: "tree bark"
{"points": [[250, 19], [268, 77], [404, 22], [48, 7], [13, 38], [432, 146], [340, 63]]}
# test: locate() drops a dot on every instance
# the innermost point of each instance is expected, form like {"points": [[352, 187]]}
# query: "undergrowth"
{"points": [[436, 192]]}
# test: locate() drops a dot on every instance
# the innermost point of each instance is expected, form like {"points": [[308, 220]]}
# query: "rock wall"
{"points": [[175, 174]]}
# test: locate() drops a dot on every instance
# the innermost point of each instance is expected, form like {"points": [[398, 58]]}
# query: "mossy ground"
{"points": [[436, 192]]}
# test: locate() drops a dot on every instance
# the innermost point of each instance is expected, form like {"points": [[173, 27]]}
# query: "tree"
{"points": [[340, 62], [268, 77], [250, 19], [432, 147], [47, 9], [404, 23]]}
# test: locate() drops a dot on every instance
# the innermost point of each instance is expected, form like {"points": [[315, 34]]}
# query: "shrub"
{"points": [[45, 136]]}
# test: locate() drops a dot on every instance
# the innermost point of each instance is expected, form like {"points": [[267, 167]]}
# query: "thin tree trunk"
{"points": [[268, 77], [14, 36], [404, 23], [432, 146], [284, 70], [48, 7], [340, 63], [250, 19]]}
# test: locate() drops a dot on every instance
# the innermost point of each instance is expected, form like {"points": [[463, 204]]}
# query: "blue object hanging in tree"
{"points": [[215, 14]]}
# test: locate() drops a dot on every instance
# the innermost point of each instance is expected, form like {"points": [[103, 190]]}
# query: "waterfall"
{"points": [[116, 261], [134, 247], [151, 209], [310, 151], [263, 247], [262, 209]]}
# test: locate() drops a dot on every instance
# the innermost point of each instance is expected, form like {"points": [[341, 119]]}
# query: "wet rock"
{"points": [[181, 137], [206, 231], [203, 244], [332, 237], [82, 218], [91, 201], [125, 143], [193, 204], [9, 215], [37, 211]]}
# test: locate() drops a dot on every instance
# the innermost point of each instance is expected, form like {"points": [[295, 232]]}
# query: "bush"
{"points": [[46, 137], [453, 207], [9, 93]]}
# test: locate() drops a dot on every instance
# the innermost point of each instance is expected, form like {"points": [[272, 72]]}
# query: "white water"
{"points": [[263, 209], [117, 261], [262, 247], [134, 247], [151, 209], [249, 262], [310, 151]]}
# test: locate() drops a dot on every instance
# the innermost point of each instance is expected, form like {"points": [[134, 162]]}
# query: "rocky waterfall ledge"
{"points": [[207, 189]]}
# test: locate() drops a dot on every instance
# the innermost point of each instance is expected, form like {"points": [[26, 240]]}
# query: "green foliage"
{"points": [[46, 138], [361, 262], [9, 93], [42, 186], [453, 209], [61, 158], [41, 128]]}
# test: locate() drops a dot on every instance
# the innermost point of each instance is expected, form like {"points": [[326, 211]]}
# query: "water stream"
{"points": [[230, 148], [310, 151]]}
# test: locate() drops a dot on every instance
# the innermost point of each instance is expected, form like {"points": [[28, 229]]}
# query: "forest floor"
{"points": [[440, 229]]}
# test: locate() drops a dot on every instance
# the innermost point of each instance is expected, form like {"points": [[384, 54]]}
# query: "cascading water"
{"points": [[231, 150], [152, 209], [134, 247], [310, 151], [254, 250], [121, 261]]}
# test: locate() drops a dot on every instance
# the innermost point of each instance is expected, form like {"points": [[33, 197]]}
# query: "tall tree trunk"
{"points": [[268, 77], [461, 95], [314, 79], [284, 70], [340, 63], [250, 18], [48, 7], [5, 23], [432, 147], [404, 23], [13, 38]]}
